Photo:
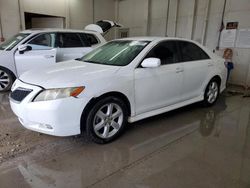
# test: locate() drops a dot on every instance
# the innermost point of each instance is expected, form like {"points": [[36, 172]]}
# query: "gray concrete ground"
{"points": [[189, 147]]}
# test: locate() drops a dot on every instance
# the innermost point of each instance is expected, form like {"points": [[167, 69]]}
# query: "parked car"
{"points": [[123, 80], [39, 48]]}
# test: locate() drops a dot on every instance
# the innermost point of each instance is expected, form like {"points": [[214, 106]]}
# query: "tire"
{"points": [[212, 92], [6, 80], [104, 125]]}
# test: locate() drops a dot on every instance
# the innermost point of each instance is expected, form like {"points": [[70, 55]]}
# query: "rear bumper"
{"points": [[56, 117]]}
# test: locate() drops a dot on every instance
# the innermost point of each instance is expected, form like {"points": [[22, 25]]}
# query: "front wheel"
{"points": [[106, 120], [211, 93], [6, 80]]}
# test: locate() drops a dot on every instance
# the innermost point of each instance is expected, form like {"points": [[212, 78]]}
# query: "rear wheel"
{"points": [[211, 93], [106, 120], [6, 80]]}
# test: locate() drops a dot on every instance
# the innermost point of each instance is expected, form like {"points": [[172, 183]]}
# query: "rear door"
{"points": [[196, 66], [71, 46], [43, 53]]}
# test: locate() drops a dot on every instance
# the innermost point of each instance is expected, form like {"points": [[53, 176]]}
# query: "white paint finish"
{"points": [[18, 63], [134, 15], [34, 59], [157, 87], [195, 76], [146, 98], [65, 54]]}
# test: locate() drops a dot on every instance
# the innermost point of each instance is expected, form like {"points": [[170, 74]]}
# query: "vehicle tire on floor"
{"points": [[106, 120], [211, 93], [6, 80]]}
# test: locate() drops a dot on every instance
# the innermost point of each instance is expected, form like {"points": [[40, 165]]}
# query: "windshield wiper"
{"points": [[95, 62]]}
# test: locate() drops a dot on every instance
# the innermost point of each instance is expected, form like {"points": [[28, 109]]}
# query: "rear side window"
{"points": [[191, 52], [91, 39], [70, 40], [166, 51]]}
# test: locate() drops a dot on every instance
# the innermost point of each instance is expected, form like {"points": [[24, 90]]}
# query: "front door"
{"points": [[159, 87], [41, 55]]}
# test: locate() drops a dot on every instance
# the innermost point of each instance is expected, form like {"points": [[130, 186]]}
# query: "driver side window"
{"points": [[43, 42], [166, 51]]}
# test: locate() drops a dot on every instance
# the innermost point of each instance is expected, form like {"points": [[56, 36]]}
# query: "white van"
{"points": [[37, 48]]}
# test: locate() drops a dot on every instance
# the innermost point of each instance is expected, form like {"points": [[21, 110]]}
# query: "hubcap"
{"points": [[212, 92], [108, 120], [4, 80]]}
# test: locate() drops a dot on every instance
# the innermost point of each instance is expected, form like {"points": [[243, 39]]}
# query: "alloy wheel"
{"points": [[108, 120], [213, 91], [4, 80]]}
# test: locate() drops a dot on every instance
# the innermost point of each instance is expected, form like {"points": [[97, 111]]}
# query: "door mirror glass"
{"points": [[23, 48], [151, 63]]}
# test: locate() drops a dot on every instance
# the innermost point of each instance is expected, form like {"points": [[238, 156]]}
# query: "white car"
{"points": [[123, 80], [39, 48]]}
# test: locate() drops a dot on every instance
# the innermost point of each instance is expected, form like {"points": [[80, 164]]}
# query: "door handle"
{"points": [[178, 70], [49, 56], [210, 64]]}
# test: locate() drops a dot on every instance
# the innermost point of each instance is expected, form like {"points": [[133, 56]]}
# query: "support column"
{"points": [[149, 17]]}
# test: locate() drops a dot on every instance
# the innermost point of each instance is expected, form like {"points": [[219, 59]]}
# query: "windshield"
{"points": [[12, 42], [119, 53]]}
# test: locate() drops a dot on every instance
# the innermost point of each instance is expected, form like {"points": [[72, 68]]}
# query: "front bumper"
{"points": [[56, 117]]}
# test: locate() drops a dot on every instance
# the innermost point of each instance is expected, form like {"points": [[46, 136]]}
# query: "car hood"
{"points": [[67, 74]]}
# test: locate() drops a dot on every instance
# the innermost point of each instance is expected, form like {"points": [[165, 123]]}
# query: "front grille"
{"points": [[20, 93]]}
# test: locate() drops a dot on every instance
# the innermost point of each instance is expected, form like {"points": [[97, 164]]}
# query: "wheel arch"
{"points": [[94, 100], [216, 77], [6, 69]]}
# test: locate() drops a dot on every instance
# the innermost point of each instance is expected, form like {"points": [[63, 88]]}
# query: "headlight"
{"points": [[52, 94]]}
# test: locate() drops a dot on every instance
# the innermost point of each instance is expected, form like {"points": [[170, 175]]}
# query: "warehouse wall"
{"points": [[80, 13], [10, 18], [77, 13], [134, 15], [193, 19]]}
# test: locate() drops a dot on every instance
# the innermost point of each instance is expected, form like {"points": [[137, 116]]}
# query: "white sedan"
{"points": [[123, 80]]}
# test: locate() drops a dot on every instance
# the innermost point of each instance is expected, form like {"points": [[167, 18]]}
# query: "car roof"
{"points": [[155, 39], [41, 30]]}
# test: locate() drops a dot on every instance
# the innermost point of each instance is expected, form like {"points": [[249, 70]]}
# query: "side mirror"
{"points": [[23, 48], [151, 63]]}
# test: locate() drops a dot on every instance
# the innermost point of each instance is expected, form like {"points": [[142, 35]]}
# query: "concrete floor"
{"points": [[189, 147]]}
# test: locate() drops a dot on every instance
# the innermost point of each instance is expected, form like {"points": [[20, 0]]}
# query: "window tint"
{"points": [[91, 39], [191, 52], [43, 42], [69, 40], [166, 51], [84, 39]]}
